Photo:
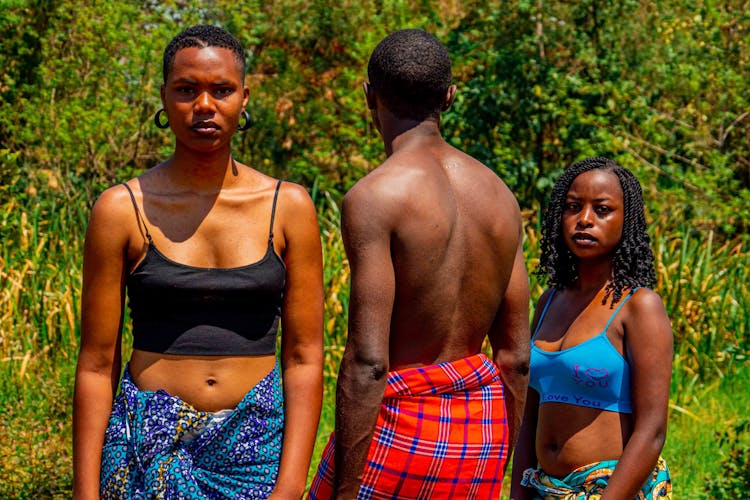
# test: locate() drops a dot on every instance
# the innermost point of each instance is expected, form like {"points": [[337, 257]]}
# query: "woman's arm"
{"points": [[98, 369], [524, 455], [648, 344], [302, 337]]}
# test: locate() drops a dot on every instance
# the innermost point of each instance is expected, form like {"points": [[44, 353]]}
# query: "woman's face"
{"points": [[204, 96], [593, 214]]}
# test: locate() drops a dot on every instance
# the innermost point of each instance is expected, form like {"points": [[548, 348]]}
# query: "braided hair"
{"points": [[633, 261]]}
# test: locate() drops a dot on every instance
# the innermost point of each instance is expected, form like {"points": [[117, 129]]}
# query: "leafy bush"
{"points": [[734, 480]]}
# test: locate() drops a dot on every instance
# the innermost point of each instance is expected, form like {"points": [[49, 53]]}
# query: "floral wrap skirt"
{"points": [[158, 446], [588, 482]]}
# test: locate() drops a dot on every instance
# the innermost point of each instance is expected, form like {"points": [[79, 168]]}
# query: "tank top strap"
{"points": [[622, 303], [544, 312], [273, 210], [138, 214]]}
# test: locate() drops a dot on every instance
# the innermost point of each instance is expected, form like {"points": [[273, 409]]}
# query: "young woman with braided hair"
{"points": [[596, 411]]}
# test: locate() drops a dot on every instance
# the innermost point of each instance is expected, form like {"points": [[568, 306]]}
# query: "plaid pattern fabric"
{"points": [[441, 433]]}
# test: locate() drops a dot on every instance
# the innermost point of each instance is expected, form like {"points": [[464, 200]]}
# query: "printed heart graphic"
{"points": [[597, 373]]}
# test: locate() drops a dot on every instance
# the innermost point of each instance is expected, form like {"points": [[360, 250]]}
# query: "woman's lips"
{"points": [[205, 128], [583, 239]]}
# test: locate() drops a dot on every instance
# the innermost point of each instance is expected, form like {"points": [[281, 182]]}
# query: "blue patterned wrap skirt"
{"points": [[158, 446]]}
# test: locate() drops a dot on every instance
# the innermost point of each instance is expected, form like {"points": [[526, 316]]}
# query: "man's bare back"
{"points": [[454, 233], [433, 239]]}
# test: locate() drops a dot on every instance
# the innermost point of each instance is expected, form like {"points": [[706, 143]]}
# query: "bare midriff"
{"points": [[208, 383], [569, 437]]}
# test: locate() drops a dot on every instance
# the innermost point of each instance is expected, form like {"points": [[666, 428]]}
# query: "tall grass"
{"points": [[704, 283], [40, 269]]}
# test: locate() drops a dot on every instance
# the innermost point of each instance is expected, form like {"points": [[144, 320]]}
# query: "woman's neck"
{"points": [[201, 172], [593, 273]]}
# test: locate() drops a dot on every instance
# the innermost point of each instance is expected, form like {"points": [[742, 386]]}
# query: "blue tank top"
{"points": [[592, 373], [181, 309]]}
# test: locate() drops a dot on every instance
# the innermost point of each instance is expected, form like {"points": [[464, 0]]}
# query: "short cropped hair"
{"points": [[633, 259], [410, 71], [203, 36]]}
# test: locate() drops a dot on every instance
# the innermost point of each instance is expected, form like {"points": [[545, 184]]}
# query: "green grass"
{"points": [[693, 449], [705, 285]]}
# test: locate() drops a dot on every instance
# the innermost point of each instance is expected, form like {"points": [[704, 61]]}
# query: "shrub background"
{"points": [[662, 87]]}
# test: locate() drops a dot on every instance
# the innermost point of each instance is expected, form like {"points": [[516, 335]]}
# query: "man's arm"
{"points": [[366, 229], [509, 338]]}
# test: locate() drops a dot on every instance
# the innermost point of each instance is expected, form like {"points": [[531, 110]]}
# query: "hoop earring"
{"points": [[248, 121], [157, 120]]}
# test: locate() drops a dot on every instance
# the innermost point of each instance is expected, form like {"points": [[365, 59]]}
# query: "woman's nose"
{"points": [[204, 102], [585, 217]]}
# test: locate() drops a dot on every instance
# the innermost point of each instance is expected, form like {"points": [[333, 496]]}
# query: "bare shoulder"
{"points": [[379, 193], [540, 303], [295, 213], [113, 225], [114, 208], [294, 197], [646, 302], [544, 297], [490, 180], [646, 318]]}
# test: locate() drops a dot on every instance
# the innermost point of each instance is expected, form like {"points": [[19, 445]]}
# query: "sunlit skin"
{"points": [[433, 239], [203, 98], [562, 437], [203, 209], [593, 215]]}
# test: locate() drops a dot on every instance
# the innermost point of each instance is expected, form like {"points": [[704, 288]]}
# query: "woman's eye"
{"points": [[185, 90], [603, 210], [572, 207]]}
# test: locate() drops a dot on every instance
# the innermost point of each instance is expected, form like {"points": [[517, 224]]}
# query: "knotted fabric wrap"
{"points": [[441, 433], [158, 446], [588, 482]]}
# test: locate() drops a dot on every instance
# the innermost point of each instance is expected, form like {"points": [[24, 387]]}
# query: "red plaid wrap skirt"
{"points": [[441, 432]]}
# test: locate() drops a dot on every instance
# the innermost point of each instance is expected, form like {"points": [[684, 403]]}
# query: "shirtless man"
{"points": [[433, 238]]}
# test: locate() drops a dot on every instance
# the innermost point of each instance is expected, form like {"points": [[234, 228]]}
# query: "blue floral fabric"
{"points": [[159, 447]]}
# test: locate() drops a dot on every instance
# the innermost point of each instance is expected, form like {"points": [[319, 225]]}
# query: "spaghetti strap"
{"points": [[273, 210], [627, 297], [544, 311], [138, 215]]}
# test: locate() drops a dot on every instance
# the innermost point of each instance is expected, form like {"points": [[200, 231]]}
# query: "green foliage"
{"points": [[554, 82], [661, 88], [707, 412], [734, 481], [541, 85], [9, 173]]}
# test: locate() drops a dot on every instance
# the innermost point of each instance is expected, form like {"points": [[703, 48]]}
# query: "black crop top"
{"points": [[181, 309]]}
